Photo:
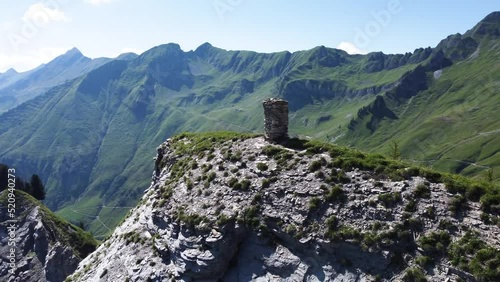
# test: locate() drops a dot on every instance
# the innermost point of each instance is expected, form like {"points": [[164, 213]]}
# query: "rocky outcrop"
{"points": [[236, 208], [46, 247]]}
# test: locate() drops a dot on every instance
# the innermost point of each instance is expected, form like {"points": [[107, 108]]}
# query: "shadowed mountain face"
{"points": [[16, 88], [47, 248], [91, 138]]}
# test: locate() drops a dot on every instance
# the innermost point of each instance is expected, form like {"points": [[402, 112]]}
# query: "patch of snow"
{"points": [[437, 74]]}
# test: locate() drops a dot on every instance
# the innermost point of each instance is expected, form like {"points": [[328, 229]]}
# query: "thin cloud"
{"points": [[98, 2], [42, 15], [350, 48], [7, 26], [30, 59]]}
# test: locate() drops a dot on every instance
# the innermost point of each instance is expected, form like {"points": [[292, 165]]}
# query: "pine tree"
{"points": [[38, 188], [4, 171], [19, 184], [394, 150]]}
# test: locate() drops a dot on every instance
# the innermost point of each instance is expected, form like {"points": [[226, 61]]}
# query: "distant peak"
{"points": [[490, 25], [493, 17], [127, 56], [11, 71], [74, 51], [203, 48], [172, 46]]}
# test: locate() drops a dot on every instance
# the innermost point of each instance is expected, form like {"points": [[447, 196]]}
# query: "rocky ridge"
{"points": [[229, 207], [46, 248]]}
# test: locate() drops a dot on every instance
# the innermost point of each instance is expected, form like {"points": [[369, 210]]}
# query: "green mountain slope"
{"points": [[16, 88], [90, 139], [451, 122]]}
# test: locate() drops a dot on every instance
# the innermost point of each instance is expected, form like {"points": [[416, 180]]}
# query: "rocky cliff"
{"points": [[46, 248], [229, 207]]}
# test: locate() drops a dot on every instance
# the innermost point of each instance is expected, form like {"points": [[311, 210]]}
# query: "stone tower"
{"points": [[276, 119]]}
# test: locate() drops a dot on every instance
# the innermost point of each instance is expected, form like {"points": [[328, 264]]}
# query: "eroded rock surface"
{"points": [[246, 210]]}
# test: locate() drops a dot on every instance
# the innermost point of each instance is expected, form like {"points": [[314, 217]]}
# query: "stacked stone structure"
{"points": [[276, 119]]}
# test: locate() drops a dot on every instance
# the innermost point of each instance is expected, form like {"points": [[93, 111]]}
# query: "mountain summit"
{"points": [[490, 25], [21, 87]]}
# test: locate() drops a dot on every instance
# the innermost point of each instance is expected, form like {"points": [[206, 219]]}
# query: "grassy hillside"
{"points": [[450, 125]]}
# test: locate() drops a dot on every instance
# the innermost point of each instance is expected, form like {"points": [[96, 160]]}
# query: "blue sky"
{"points": [[34, 32]]}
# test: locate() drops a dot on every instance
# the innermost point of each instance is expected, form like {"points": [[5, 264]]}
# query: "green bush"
{"points": [[271, 150], [314, 166], [320, 175], [422, 191], [458, 204], [238, 186], [232, 182], [256, 198], [424, 261], [314, 203], [491, 203], [331, 223], [336, 194], [223, 219], [472, 254], [486, 218], [429, 212], [435, 243], [474, 192], [453, 186], [262, 166], [251, 216], [414, 274], [211, 176], [189, 184], [389, 199], [377, 225], [411, 206], [266, 183], [339, 176], [245, 185]]}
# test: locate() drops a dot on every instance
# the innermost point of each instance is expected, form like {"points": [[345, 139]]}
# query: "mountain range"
{"points": [[89, 127], [16, 88]]}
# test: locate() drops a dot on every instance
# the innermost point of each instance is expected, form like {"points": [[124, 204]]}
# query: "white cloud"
{"points": [[41, 14], [98, 2], [30, 59], [7, 26], [350, 48]]}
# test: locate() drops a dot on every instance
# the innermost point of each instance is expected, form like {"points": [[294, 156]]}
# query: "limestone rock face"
{"points": [[242, 209], [40, 256], [276, 119]]}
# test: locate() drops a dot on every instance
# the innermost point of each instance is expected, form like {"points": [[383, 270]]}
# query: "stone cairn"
{"points": [[276, 119]]}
